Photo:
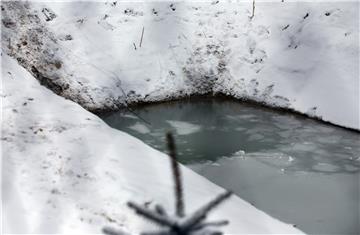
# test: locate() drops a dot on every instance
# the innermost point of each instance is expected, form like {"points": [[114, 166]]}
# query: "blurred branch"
{"points": [[178, 224], [179, 200]]}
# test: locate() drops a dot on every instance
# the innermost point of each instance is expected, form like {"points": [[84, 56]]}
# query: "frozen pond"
{"points": [[295, 169]]}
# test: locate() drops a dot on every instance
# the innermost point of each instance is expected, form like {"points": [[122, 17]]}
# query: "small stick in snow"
{"points": [[142, 35], [134, 45], [204, 34], [253, 10]]}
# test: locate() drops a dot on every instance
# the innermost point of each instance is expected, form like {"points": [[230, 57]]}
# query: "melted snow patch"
{"points": [[184, 128]]}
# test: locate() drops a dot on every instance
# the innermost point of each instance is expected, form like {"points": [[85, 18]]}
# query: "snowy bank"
{"points": [[300, 56], [65, 171]]}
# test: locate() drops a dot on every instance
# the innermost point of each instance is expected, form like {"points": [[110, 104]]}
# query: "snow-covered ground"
{"points": [[297, 55], [65, 171]]}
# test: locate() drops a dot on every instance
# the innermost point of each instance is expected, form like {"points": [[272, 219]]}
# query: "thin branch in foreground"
{"points": [[211, 224], [179, 200], [112, 231], [180, 223], [202, 213], [152, 216], [160, 210]]}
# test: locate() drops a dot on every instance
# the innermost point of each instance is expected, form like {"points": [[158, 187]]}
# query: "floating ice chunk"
{"points": [[351, 168], [240, 129], [285, 123], [184, 128], [239, 153], [325, 167], [286, 133], [324, 129], [158, 133], [254, 137], [247, 116], [329, 139], [141, 128], [130, 116], [241, 117], [305, 146]]}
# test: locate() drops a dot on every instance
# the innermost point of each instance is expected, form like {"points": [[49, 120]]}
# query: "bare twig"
{"points": [[136, 114], [204, 34], [126, 104], [134, 45], [142, 35], [179, 201], [253, 10]]}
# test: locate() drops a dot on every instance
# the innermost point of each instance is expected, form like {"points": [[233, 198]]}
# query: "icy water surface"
{"points": [[298, 170]]}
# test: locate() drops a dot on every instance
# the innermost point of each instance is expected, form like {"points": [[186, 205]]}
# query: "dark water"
{"points": [[297, 170]]}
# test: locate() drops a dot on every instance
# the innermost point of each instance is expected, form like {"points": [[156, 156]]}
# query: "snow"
{"points": [[65, 171], [301, 56]]}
